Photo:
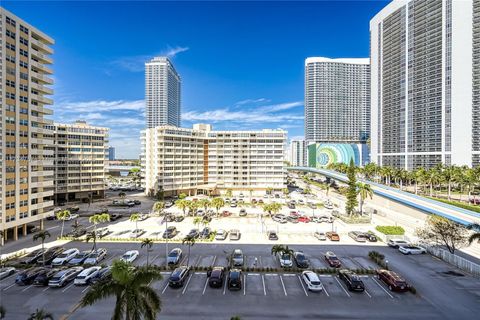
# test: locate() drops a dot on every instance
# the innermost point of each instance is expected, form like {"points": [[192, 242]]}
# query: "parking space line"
{"points": [[46, 289], [214, 259], [6, 278], [260, 261], [5, 289], [186, 285], [67, 288], [264, 289], [283, 285], [198, 261], [325, 289], [26, 288], [303, 287], [271, 274], [225, 286], [158, 255], [244, 284], [205, 286], [86, 288], [289, 275], [165, 288], [368, 294], [382, 287], [344, 290]]}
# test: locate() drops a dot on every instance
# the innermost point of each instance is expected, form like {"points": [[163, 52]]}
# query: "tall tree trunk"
{"points": [[63, 225], [449, 189], [416, 187], [431, 189]]}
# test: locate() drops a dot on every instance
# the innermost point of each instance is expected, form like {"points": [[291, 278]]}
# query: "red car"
{"points": [[393, 280], [332, 259], [304, 219], [226, 213]]}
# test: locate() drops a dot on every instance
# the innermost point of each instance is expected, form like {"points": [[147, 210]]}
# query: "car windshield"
{"points": [[56, 278], [237, 255], [234, 275], [173, 254], [285, 257], [333, 258]]}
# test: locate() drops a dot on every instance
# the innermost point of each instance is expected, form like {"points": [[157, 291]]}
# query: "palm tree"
{"points": [[229, 193], [40, 314], [235, 318], [122, 195], [63, 215], [134, 298], [147, 243], [218, 203], [364, 190], [432, 177], [189, 241], [470, 178], [197, 221], [269, 190], [285, 192], [134, 218], [327, 189], [182, 196], [42, 235], [158, 207], [182, 204], [91, 235], [449, 174], [420, 177], [251, 192], [307, 190], [192, 207], [205, 203], [75, 228], [96, 219], [277, 249]]}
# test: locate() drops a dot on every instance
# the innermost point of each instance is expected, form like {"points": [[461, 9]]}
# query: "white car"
{"points": [[86, 275], [412, 249], [136, 233], [71, 216], [395, 243], [221, 234], [65, 257], [96, 256], [6, 272], [312, 281], [129, 256], [286, 260]]}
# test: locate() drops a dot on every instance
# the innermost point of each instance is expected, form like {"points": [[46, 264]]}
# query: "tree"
{"points": [[251, 192], [197, 221], [229, 193], [327, 188], [122, 195], [182, 196], [192, 207], [96, 219], [279, 249], [205, 203], [76, 228], [135, 299], [158, 207], [91, 235], [147, 243], [182, 204], [272, 208], [285, 192], [449, 174], [269, 190], [352, 189], [442, 231], [134, 218], [432, 177], [63, 215], [218, 203], [40, 314], [364, 190], [42, 235], [189, 241], [307, 190]]}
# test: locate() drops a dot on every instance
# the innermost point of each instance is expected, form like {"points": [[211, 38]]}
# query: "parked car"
{"points": [[137, 233], [371, 237], [320, 235], [65, 257], [84, 277], [393, 281], [43, 278], [272, 235], [333, 236], [77, 232], [6, 272], [103, 274], [234, 281], [286, 260], [395, 243], [71, 216], [332, 259], [304, 219], [291, 205], [79, 258], [170, 232], [242, 213], [130, 256], [292, 219], [412, 249], [178, 277], [312, 281], [102, 232], [357, 236], [137, 202], [234, 234], [221, 234], [174, 256], [96, 256], [168, 204], [226, 213], [194, 233], [280, 218], [115, 216], [352, 280], [237, 258], [32, 257], [215, 277], [301, 260], [50, 255], [327, 219], [64, 276], [27, 277]]}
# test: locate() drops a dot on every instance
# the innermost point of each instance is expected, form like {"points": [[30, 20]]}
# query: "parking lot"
{"points": [[271, 295]]}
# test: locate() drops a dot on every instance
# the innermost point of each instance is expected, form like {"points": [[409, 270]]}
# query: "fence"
{"points": [[455, 260]]}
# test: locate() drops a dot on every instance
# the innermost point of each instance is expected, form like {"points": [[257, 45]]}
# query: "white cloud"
{"points": [[172, 52], [101, 105], [251, 101]]}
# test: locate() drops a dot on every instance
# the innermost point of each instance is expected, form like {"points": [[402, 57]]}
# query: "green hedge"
{"points": [[391, 230], [458, 204]]}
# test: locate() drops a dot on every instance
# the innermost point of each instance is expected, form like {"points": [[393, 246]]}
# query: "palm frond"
{"points": [[473, 237]]}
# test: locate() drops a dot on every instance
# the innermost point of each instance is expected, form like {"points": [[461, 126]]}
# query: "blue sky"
{"points": [[241, 63]]}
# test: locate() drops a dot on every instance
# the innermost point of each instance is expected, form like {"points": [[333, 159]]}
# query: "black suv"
{"points": [[234, 281], [50, 254], [32, 257], [170, 233], [178, 277], [300, 259], [216, 276], [352, 280], [371, 237]]}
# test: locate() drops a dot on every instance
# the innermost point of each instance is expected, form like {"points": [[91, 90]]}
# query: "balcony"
{"points": [[41, 88], [40, 45], [40, 77], [41, 109], [41, 67], [41, 98], [42, 184], [41, 56]]}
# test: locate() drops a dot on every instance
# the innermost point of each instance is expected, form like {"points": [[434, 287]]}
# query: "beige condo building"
{"points": [[26, 178], [201, 160]]}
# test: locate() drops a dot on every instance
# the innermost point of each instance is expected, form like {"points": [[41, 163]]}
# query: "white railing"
{"points": [[455, 260]]}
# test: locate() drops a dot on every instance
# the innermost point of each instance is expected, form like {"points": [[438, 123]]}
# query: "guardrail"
{"points": [[455, 260]]}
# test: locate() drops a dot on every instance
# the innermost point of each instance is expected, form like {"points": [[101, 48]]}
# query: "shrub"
{"points": [[391, 230], [412, 290]]}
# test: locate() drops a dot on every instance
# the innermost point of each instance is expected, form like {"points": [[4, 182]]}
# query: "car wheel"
{"points": [[390, 288]]}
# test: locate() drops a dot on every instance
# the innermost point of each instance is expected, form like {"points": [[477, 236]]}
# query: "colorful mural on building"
{"points": [[322, 154]]}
